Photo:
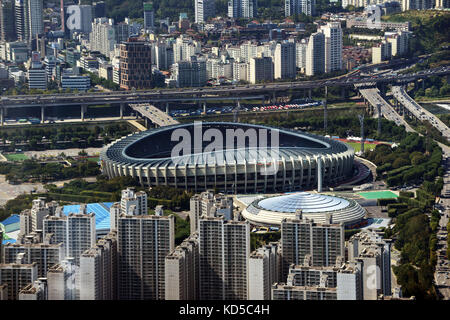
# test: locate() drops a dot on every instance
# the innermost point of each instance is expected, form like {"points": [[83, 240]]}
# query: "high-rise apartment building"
{"points": [[293, 7], [98, 270], [300, 54], [284, 62], [382, 52], [103, 36], [242, 8], [143, 244], [224, 247], [80, 233], [34, 291], [333, 46], [43, 254], [132, 198], [204, 9], [206, 203], [263, 271], [324, 243], [315, 54], [135, 64], [22, 20], [63, 281], [399, 42], [16, 276], [182, 271], [374, 254]]}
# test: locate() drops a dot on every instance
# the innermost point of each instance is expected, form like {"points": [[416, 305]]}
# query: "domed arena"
{"points": [[148, 157], [271, 211]]}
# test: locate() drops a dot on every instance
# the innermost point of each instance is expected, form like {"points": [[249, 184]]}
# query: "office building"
{"points": [[37, 78], [333, 46], [7, 21], [143, 243], [17, 276], [50, 66], [190, 73], [98, 278], [224, 247], [99, 9], [284, 62], [261, 70], [72, 81], [182, 271], [263, 271], [293, 7], [315, 54], [324, 243], [204, 9], [36, 16], [135, 65], [149, 16]]}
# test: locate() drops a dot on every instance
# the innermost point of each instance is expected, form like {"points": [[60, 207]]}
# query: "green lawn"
{"points": [[378, 195], [357, 146], [94, 159], [16, 157]]}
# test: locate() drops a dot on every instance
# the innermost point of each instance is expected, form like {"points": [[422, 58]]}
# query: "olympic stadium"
{"points": [[272, 210], [148, 157]]}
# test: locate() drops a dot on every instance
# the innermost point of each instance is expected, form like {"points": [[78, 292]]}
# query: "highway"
{"points": [[154, 114], [418, 111], [372, 95], [164, 95]]}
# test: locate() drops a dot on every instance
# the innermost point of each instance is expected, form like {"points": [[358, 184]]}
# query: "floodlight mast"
{"points": [[361, 121]]}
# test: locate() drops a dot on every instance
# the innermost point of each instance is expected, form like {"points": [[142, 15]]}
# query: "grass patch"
{"points": [[378, 195], [357, 146], [16, 157]]}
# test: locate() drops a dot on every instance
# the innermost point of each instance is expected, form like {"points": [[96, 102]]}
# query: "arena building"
{"points": [[314, 206], [147, 156]]}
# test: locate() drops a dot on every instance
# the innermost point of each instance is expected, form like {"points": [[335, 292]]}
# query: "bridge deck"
{"points": [[154, 114], [418, 111]]}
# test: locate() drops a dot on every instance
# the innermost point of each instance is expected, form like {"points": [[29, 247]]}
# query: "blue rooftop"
{"points": [[101, 211]]}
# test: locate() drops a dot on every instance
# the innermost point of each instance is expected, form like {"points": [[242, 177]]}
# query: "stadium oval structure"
{"points": [[147, 157], [313, 206]]}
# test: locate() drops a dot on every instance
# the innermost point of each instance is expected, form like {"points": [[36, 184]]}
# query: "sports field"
{"points": [[16, 157], [378, 195], [357, 146]]}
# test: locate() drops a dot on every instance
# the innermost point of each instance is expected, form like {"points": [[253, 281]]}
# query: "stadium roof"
{"points": [[101, 211], [153, 147], [307, 202]]}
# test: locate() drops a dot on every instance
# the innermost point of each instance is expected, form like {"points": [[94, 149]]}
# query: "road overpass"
{"points": [[373, 96], [154, 114], [418, 111], [210, 93]]}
